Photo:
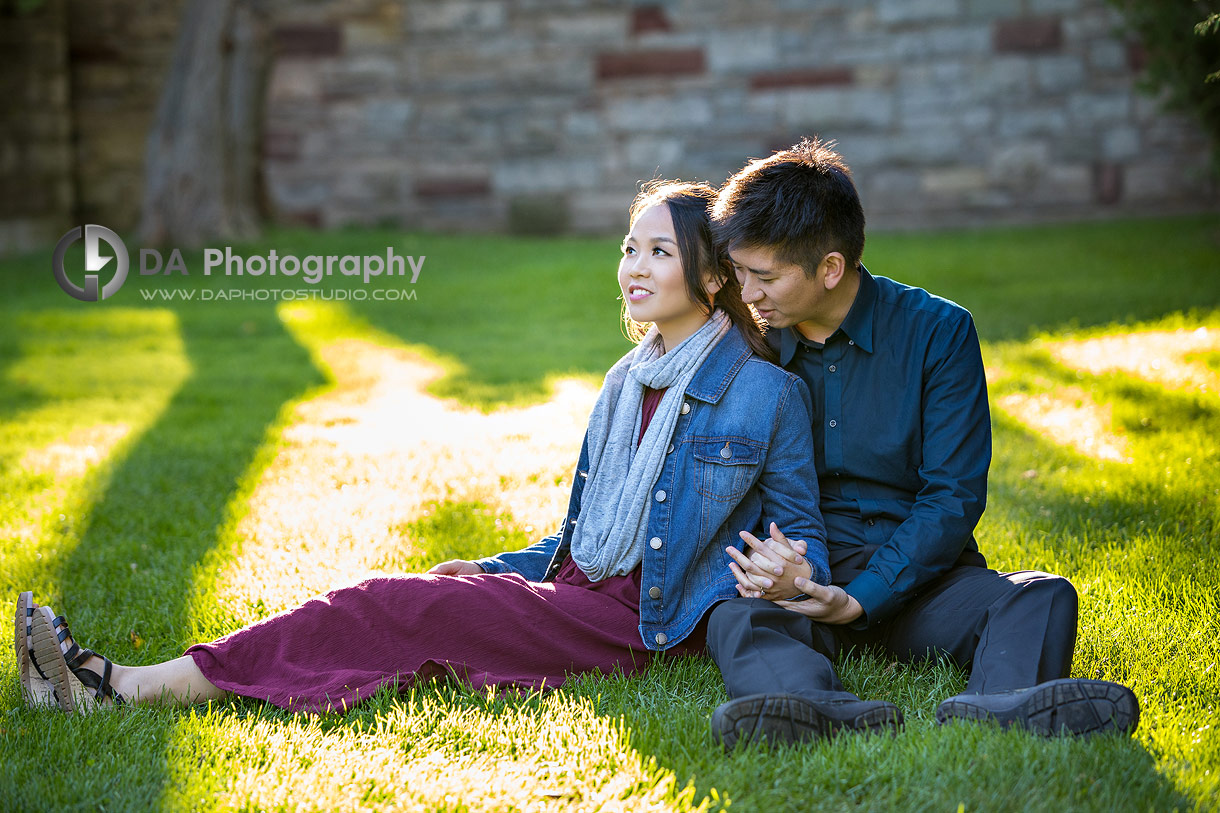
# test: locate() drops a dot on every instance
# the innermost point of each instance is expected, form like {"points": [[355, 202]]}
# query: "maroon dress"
{"points": [[491, 630]]}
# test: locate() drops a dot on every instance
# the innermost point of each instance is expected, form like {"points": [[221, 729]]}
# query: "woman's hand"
{"points": [[772, 568], [456, 567], [826, 603]]}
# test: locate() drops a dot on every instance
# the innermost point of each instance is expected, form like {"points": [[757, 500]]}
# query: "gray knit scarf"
{"points": [[609, 536]]}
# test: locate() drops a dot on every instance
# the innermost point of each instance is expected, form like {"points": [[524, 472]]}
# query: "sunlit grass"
{"points": [[167, 474]]}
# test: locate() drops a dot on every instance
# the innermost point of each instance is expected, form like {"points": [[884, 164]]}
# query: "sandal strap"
{"points": [[76, 657], [101, 686]]}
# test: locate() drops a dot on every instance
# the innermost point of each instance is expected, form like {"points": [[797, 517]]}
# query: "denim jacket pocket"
{"points": [[725, 468]]}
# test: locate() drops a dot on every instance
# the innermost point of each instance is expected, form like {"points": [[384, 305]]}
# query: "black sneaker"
{"points": [[1066, 706], [789, 718]]}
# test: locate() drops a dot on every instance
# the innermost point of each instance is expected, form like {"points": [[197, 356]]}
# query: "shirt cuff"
{"points": [[874, 596]]}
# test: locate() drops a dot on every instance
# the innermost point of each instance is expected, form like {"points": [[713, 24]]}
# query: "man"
{"points": [[902, 436]]}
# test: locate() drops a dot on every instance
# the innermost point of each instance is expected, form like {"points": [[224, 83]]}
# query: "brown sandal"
{"points": [[36, 688], [76, 688]]}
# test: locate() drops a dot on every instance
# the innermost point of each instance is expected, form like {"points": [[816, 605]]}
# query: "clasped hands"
{"points": [[776, 570]]}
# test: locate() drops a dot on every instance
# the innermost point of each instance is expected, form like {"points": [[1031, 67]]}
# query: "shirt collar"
{"points": [[857, 326]]}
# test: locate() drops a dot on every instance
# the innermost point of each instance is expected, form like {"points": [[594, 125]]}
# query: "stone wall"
{"points": [[543, 115], [36, 184]]}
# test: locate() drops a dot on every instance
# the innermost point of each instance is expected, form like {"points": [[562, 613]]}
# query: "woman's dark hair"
{"points": [[689, 206], [800, 203]]}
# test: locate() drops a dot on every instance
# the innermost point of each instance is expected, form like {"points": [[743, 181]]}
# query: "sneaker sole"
{"points": [[1069, 706], [789, 719]]}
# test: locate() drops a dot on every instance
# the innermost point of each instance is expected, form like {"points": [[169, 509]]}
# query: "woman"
{"points": [[693, 439]]}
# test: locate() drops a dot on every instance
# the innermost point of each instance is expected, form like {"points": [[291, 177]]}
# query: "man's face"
{"points": [[780, 292]]}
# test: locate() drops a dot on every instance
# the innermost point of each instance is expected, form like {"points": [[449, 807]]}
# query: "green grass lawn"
{"points": [[134, 432]]}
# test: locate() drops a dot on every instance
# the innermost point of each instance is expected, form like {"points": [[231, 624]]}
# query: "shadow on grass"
{"points": [[126, 588]]}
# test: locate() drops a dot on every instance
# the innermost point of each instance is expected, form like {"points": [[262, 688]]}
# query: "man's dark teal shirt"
{"points": [[902, 437]]}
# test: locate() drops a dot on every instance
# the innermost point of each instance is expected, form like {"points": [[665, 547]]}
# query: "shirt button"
{"points": [[833, 423], [655, 543], [685, 408], [852, 343], [872, 522], [660, 496], [670, 450], [831, 368], [572, 522], [661, 638], [654, 592]]}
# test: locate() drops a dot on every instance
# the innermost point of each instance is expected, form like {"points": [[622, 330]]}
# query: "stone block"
{"points": [[1019, 166], [1056, 6], [1002, 80], [593, 27], [452, 186], [294, 79], [802, 77], [821, 108], [540, 215], [1100, 22], [359, 76], [1024, 123], [660, 63], [458, 17], [936, 143], [1028, 35], [281, 145], [363, 34], [582, 125], [387, 119], [648, 19], [1059, 74], [953, 182], [1098, 111], [1064, 185], [654, 154], [987, 9], [1107, 182], [898, 12], [942, 41], [1120, 143], [1108, 56], [308, 39], [657, 113], [741, 49], [601, 212], [528, 176]]}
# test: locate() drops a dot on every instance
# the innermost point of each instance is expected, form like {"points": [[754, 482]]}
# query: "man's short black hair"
{"points": [[800, 203]]}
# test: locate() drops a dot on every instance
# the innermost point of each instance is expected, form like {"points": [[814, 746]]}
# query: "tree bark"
{"points": [[202, 178]]}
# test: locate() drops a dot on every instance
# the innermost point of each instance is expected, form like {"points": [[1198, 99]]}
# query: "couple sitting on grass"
{"points": [[854, 473]]}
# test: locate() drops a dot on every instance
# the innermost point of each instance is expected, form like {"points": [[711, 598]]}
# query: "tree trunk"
{"points": [[201, 172]]}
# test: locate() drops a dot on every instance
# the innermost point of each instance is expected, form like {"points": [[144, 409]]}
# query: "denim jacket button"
{"points": [[661, 638], [655, 543], [670, 450], [685, 408], [726, 452], [660, 496], [654, 592]]}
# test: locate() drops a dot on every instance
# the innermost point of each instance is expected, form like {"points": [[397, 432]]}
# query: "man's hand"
{"points": [[456, 567], [772, 568], [826, 603]]}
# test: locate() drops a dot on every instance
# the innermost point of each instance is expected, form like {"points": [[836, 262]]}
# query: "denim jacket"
{"points": [[741, 457]]}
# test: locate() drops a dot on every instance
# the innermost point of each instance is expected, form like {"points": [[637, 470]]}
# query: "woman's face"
{"points": [[651, 279]]}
